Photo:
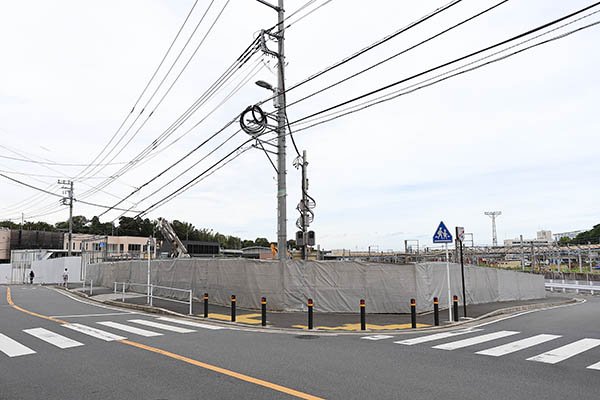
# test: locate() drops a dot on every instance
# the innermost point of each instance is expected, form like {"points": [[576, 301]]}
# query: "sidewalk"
{"points": [[322, 321]]}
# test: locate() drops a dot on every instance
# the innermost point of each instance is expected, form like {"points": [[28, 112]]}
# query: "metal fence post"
{"points": [[413, 313], [115, 287], [263, 306], [151, 294], [436, 312], [191, 301], [455, 306], [91, 287], [123, 296]]}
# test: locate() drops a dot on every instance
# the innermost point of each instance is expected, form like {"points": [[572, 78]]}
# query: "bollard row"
{"points": [[363, 322]]}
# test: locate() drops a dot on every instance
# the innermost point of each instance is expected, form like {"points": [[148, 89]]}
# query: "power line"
{"points": [[527, 33], [55, 194], [164, 79], [56, 163], [371, 46], [145, 88], [399, 53]]}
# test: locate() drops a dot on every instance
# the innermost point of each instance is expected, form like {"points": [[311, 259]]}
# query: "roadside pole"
{"points": [[148, 280], [448, 277], [442, 235]]}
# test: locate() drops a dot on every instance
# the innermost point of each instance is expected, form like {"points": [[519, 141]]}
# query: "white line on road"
{"points": [[437, 336], [90, 315], [53, 338], [190, 323], [376, 337], [97, 333], [518, 345], [12, 348], [130, 329], [595, 366], [562, 353], [161, 326], [459, 344]]}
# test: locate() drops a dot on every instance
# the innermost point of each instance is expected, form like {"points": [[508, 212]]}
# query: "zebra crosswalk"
{"points": [[465, 338], [58, 337]]}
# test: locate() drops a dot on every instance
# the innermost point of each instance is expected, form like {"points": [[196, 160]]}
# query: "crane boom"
{"points": [[165, 227]]}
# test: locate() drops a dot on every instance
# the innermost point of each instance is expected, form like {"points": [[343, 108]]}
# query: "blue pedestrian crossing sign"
{"points": [[442, 234]]}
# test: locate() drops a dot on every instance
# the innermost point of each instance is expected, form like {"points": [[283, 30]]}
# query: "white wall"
{"points": [[5, 273], [50, 271]]}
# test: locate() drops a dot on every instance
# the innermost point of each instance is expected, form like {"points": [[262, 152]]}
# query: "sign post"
{"points": [[442, 235], [460, 236]]}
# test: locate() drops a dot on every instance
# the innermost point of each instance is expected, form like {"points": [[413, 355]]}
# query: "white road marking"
{"points": [[562, 353], [190, 323], [376, 337], [459, 344], [518, 345], [89, 303], [161, 326], [436, 336], [97, 333], [12, 348], [595, 366], [91, 315], [53, 338], [130, 329]]}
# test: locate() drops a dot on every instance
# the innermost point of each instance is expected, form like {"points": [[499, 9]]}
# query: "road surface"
{"points": [[53, 346]]}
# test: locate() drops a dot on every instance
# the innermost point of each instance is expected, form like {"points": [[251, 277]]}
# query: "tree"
{"points": [[263, 242], [291, 244]]}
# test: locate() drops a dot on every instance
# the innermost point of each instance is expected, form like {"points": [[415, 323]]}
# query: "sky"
{"points": [[518, 136]]}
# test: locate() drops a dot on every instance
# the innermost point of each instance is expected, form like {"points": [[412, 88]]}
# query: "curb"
{"points": [[328, 332]]}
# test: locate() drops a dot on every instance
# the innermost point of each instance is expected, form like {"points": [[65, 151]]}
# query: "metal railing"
{"points": [[564, 285], [150, 293], [91, 286]]}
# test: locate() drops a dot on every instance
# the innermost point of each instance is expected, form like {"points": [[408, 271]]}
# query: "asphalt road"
{"points": [[227, 363]]}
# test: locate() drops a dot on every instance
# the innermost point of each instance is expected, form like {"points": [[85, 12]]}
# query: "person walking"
{"points": [[31, 276], [65, 277]]}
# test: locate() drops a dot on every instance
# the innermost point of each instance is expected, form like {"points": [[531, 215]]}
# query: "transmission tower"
{"points": [[493, 215]]}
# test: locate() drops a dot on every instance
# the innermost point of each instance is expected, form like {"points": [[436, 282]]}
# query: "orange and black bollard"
{"points": [[310, 314], [436, 312], [233, 308], [413, 313], [205, 305], [455, 308], [363, 322], [263, 305]]}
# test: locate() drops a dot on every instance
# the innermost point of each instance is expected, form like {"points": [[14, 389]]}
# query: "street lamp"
{"points": [[265, 85]]}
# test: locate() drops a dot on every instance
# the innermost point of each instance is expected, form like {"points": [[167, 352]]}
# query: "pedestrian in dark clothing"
{"points": [[31, 276]]}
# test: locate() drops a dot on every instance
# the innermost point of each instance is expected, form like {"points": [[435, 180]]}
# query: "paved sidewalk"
{"points": [[322, 321]]}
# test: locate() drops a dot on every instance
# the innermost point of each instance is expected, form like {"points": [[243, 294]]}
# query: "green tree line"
{"points": [[141, 227], [592, 236]]}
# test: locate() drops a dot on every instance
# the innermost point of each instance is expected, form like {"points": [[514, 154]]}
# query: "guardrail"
{"points": [[564, 285], [150, 293]]}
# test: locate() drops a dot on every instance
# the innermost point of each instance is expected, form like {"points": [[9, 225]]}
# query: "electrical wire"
{"points": [[399, 53], [145, 88]]}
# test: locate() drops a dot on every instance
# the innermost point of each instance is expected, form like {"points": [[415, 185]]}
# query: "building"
{"points": [[95, 248], [569, 235], [258, 252], [4, 245], [24, 240], [543, 238]]}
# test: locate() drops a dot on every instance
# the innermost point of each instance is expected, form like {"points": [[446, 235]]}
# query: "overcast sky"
{"points": [[520, 136]]}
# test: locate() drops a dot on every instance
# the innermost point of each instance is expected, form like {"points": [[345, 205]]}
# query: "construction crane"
{"points": [[178, 249]]}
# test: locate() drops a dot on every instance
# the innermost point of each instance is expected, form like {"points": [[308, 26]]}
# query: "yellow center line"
{"points": [[191, 361]]}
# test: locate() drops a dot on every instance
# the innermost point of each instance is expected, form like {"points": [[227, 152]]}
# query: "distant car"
{"points": [[597, 267]]}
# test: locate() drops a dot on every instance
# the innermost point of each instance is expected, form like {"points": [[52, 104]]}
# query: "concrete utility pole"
{"points": [[493, 215], [68, 187], [281, 122]]}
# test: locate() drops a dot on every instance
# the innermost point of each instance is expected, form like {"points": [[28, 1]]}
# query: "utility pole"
{"points": [[68, 187], [281, 123], [493, 215]]}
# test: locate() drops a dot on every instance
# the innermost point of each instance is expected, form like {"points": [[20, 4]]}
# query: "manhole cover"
{"points": [[306, 337]]}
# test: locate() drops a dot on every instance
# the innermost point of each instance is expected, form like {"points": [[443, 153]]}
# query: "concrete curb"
{"points": [[272, 329]]}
